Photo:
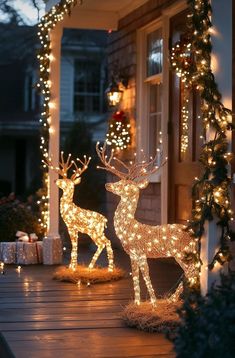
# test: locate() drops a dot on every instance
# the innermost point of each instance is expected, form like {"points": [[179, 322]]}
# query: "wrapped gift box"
{"points": [[52, 251], [28, 253], [23, 253], [8, 252]]}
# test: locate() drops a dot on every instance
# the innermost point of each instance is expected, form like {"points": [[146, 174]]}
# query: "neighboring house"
{"points": [[143, 32], [83, 80], [19, 110]]}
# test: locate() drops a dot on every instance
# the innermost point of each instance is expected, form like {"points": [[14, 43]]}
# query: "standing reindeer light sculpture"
{"points": [[80, 220], [142, 241]]}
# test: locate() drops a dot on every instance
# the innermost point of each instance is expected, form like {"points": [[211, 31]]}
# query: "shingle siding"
{"points": [[66, 87]]}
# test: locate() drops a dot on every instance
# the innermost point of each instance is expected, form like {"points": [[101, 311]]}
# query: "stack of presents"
{"points": [[25, 250]]}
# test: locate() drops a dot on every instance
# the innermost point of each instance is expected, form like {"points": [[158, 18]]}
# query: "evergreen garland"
{"points": [[191, 59], [46, 25]]}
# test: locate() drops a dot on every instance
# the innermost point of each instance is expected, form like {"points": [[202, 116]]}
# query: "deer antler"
{"points": [[63, 167], [132, 172], [78, 171], [145, 169], [107, 162]]}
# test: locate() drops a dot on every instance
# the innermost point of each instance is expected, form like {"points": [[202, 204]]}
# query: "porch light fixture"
{"points": [[115, 90]]}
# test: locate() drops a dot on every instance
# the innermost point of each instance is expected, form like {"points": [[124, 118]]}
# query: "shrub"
{"points": [[207, 326], [16, 215]]}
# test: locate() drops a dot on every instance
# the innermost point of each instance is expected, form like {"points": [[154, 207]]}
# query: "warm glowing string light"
{"points": [[184, 137], [45, 57], [181, 60], [80, 220], [118, 135], [191, 59], [142, 241]]}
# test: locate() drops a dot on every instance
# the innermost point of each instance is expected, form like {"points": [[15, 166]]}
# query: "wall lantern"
{"points": [[115, 90]]}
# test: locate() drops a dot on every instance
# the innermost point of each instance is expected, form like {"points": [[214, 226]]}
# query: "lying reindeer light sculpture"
{"points": [[78, 219], [142, 241]]}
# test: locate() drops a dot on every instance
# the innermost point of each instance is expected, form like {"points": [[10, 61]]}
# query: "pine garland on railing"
{"points": [[191, 59]]}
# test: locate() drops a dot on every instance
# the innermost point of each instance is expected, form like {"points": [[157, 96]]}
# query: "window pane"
{"points": [[155, 115], [87, 87], [155, 138], [96, 104], [79, 103], [154, 52], [155, 97]]}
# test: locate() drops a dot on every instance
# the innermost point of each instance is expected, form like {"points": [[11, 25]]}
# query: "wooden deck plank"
{"points": [[103, 343], [40, 317]]}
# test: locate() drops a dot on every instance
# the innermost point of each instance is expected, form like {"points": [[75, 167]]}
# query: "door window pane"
{"points": [[154, 52], [155, 115]]}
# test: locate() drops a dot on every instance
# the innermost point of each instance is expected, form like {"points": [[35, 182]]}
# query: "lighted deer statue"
{"points": [[142, 241], [80, 220]]}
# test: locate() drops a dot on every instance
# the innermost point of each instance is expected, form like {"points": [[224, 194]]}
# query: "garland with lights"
{"points": [[118, 135], [191, 59], [182, 63], [47, 24]]}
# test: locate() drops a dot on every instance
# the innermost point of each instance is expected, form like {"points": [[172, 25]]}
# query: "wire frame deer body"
{"points": [[80, 220], [142, 241]]}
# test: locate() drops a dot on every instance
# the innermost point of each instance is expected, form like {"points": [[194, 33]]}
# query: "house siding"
{"points": [[122, 50], [66, 88]]}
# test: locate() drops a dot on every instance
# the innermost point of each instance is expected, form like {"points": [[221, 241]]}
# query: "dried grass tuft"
{"points": [[162, 318], [85, 275]]}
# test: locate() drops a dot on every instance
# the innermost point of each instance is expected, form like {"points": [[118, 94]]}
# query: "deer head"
{"points": [[133, 177], [64, 165]]}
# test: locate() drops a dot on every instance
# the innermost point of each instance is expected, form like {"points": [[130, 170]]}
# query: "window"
{"points": [[149, 106], [154, 53], [88, 91], [153, 80], [31, 97], [155, 118]]}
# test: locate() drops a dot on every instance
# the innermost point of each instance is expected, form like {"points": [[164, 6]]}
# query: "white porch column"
{"points": [[209, 246], [222, 69], [52, 248]]}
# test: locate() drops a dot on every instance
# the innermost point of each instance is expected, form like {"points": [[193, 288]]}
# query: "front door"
{"points": [[184, 137]]}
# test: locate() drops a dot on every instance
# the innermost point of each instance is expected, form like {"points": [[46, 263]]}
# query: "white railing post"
{"points": [[222, 69], [209, 246], [52, 248]]}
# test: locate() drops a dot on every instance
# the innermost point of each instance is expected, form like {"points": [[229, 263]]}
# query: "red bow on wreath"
{"points": [[119, 116]]}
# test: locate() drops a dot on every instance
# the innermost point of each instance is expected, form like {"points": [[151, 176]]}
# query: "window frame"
{"points": [[143, 89], [167, 13]]}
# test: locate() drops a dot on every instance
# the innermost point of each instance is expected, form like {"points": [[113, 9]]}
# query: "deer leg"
{"points": [[145, 273], [96, 255], [136, 279], [175, 296], [190, 272], [109, 254], [74, 252]]}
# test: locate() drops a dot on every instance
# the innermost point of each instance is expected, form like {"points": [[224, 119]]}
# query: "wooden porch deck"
{"points": [[40, 317]]}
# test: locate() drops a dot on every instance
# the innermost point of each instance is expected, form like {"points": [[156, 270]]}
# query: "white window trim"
{"points": [[141, 99], [142, 96]]}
